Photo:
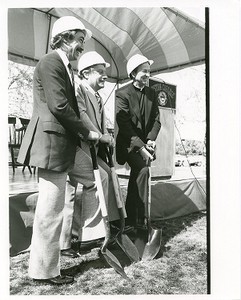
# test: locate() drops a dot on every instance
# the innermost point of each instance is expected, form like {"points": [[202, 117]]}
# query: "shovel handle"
{"points": [[93, 156], [117, 189], [98, 182], [109, 153], [149, 192]]}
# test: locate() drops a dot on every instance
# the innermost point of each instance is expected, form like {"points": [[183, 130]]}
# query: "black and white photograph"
{"points": [[121, 174]]}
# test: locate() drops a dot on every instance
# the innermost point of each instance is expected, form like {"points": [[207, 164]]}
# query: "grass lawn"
{"points": [[179, 268]]}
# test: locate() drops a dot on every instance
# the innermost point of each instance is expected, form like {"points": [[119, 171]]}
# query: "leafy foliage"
{"points": [[190, 147], [20, 98]]}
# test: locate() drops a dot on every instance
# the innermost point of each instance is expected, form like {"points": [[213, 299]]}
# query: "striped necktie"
{"points": [[72, 73], [98, 98]]}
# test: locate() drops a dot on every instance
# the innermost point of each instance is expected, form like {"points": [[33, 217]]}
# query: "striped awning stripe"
{"points": [[166, 35]]}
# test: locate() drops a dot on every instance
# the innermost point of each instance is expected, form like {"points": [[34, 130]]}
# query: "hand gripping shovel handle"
{"points": [[109, 257]]}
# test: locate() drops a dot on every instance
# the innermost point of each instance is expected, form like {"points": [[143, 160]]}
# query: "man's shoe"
{"points": [[88, 245], [58, 280], [127, 229], [69, 253], [141, 227]]}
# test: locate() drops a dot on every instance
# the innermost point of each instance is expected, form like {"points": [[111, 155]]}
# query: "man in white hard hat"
{"points": [[92, 72], [138, 124], [50, 144]]}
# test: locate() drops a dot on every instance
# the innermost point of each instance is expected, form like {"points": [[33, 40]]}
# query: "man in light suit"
{"points": [[50, 144], [92, 72], [138, 124]]}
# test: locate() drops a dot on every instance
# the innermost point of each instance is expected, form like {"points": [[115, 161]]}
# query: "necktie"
{"points": [[98, 98], [72, 73]]}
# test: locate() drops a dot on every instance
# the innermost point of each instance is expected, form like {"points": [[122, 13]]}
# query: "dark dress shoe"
{"points": [[89, 245], [58, 280], [142, 226], [127, 229], [69, 253]]}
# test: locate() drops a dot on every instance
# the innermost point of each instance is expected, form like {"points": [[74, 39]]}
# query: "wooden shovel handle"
{"points": [[117, 189], [98, 182]]}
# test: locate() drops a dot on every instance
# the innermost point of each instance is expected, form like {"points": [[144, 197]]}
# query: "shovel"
{"points": [[108, 256], [122, 239], [153, 244]]}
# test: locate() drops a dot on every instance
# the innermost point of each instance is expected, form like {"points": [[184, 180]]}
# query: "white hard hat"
{"points": [[69, 23], [135, 61], [89, 59]]}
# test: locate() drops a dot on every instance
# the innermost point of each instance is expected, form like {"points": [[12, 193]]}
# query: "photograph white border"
{"points": [[224, 144]]}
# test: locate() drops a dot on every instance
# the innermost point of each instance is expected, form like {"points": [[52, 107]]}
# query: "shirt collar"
{"points": [[137, 87], [88, 87], [63, 56]]}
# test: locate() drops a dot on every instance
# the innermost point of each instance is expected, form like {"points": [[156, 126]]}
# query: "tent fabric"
{"points": [[175, 198], [166, 35], [170, 199]]}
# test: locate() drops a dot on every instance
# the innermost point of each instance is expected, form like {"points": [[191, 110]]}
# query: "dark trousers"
{"points": [[137, 192]]}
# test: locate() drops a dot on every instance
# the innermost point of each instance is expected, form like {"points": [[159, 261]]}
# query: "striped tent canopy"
{"points": [[168, 36]]}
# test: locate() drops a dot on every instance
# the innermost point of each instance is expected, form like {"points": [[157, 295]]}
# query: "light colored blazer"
{"points": [[93, 119]]}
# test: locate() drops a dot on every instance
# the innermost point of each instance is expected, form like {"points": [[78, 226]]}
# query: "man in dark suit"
{"points": [[138, 124], [50, 144]]}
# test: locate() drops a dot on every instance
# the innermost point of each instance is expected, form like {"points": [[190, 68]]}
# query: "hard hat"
{"points": [[135, 61], [89, 59], [69, 23]]}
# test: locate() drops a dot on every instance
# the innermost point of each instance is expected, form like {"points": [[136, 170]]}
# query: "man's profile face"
{"points": [[76, 46], [143, 74], [97, 77]]}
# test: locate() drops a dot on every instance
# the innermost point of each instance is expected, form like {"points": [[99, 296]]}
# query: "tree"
{"points": [[20, 99]]}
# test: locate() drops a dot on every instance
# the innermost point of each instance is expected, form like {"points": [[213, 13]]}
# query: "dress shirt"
{"points": [[66, 62]]}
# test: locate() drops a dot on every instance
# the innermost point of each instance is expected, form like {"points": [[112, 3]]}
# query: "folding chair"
{"points": [[15, 141]]}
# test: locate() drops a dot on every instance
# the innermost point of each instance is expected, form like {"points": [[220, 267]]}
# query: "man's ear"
{"points": [[86, 74], [133, 75]]}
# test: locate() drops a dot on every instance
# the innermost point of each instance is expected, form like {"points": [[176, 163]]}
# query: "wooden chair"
{"points": [[24, 123], [15, 141]]}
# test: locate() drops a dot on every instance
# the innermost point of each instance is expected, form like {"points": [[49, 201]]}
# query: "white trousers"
{"points": [[45, 245]]}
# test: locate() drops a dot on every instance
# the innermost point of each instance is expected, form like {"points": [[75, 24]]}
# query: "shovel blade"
{"points": [[114, 263], [140, 240], [128, 247], [153, 245]]}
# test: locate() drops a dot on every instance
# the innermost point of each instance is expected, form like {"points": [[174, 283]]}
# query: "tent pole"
{"points": [[47, 44]]}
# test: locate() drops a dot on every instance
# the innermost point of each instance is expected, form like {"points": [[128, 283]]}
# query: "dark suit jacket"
{"points": [[130, 135], [52, 135]]}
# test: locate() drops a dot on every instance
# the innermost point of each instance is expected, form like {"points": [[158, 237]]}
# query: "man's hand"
{"points": [[146, 155], [151, 147], [151, 144], [107, 139], [93, 136]]}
